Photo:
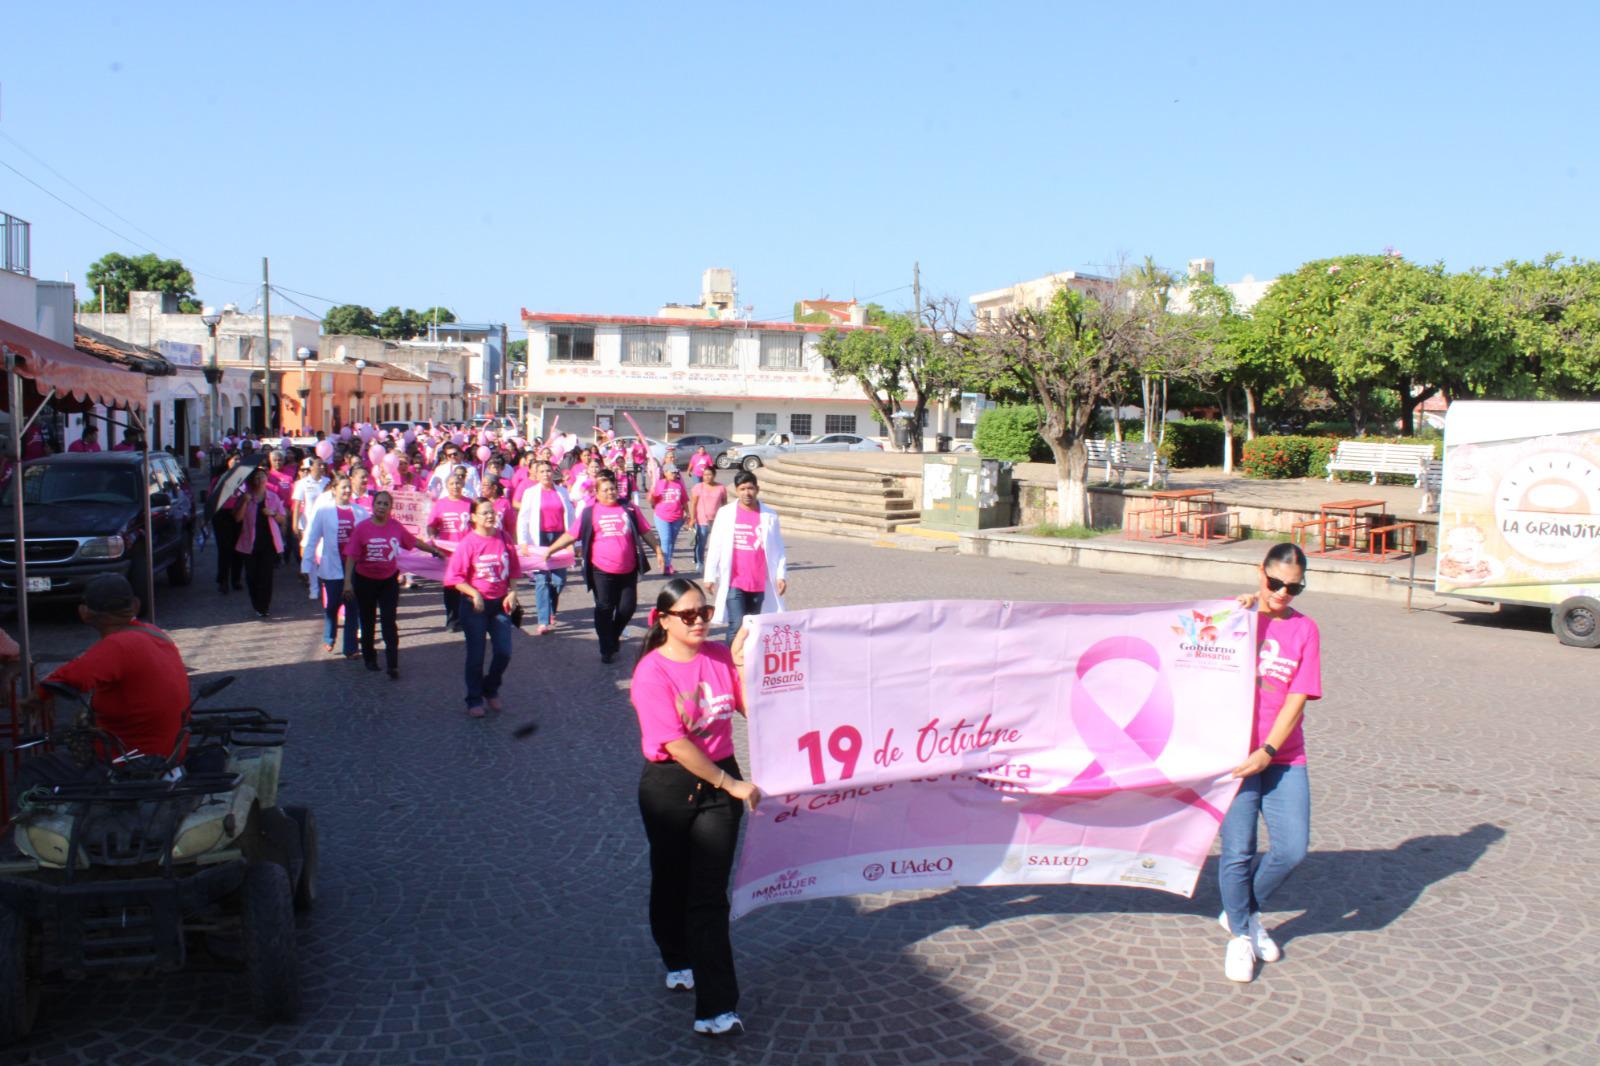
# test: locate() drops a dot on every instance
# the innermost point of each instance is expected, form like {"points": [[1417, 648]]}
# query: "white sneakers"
{"points": [[1265, 947], [1240, 963], [721, 1025], [680, 979]]}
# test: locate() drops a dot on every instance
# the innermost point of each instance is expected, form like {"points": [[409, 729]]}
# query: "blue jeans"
{"points": [[332, 599], [1281, 795], [741, 603], [494, 623], [547, 584], [702, 537], [667, 532]]}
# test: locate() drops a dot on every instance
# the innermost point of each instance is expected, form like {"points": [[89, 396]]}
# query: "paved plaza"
{"points": [[483, 897]]}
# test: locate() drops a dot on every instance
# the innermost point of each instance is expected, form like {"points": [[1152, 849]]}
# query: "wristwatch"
{"points": [[1272, 752]]}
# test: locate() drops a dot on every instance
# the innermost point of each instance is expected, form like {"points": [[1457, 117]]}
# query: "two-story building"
{"points": [[736, 379]]}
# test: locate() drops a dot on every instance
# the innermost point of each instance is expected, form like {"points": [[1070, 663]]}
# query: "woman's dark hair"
{"points": [[1285, 553], [670, 593], [746, 477], [606, 475]]}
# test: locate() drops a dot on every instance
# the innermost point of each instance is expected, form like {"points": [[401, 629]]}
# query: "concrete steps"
{"points": [[825, 500]]}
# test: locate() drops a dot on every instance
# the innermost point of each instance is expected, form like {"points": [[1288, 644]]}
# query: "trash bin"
{"points": [[944, 440], [900, 429]]}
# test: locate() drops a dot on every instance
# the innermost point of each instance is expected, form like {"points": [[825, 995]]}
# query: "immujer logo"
{"points": [[781, 662]]}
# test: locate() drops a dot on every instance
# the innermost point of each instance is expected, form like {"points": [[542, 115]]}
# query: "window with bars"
{"points": [[766, 423], [799, 426], [839, 424], [711, 347], [572, 344], [644, 346], [780, 351]]}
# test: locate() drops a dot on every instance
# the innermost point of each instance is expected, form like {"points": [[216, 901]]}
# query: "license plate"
{"points": [[38, 584]]}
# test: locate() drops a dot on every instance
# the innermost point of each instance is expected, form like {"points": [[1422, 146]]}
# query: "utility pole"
{"points": [[266, 351], [916, 290]]}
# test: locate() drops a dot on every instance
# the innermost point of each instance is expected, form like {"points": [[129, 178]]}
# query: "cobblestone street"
{"points": [[483, 897]]}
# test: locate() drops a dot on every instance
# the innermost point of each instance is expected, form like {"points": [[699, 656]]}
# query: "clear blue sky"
{"points": [[491, 157]]}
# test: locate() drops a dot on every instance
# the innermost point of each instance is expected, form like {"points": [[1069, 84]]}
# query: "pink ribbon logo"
{"points": [[1124, 756]]}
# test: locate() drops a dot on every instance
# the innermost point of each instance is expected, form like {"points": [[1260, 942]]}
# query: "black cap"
{"points": [[109, 594]]}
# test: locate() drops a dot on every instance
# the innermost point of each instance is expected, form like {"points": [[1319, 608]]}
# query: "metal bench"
{"points": [[1407, 460], [1122, 456], [1432, 481]]}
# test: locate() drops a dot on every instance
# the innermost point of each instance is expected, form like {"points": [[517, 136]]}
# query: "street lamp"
{"points": [[361, 367], [211, 317], [301, 354]]}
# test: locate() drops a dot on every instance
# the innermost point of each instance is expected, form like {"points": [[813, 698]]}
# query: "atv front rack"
{"points": [[189, 785]]}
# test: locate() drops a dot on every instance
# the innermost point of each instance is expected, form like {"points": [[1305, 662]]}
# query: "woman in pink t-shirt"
{"points": [[1274, 785], [669, 500], [686, 691], [450, 519], [705, 500], [372, 578], [483, 569], [609, 534]]}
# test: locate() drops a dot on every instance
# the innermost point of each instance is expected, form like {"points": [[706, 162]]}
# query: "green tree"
{"points": [[121, 274], [395, 324], [430, 316], [1552, 315], [351, 319], [895, 362]]}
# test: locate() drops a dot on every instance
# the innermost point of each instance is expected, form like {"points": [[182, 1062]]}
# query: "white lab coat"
{"points": [[322, 540], [528, 513], [719, 557], [474, 486]]}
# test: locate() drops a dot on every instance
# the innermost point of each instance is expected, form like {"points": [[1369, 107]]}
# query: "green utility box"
{"points": [[963, 491]]}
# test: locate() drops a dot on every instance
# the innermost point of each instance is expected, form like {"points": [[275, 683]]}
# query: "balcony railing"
{"points": [[15, 251]]}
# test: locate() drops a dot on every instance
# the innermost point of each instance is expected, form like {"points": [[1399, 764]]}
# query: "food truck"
{"points": [[1519, 510]]}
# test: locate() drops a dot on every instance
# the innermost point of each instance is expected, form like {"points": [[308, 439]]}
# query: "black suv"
{"points": [[84, 515]]}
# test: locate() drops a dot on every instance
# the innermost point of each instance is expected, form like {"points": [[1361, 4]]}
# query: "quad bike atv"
{"points": [[122, 872]]}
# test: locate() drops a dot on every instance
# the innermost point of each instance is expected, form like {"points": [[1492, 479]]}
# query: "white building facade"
{"points": [[738, 380]]}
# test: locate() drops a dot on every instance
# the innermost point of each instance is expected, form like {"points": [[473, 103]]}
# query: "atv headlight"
{"points": [[102, 548], [48, 846], [198, 839]]}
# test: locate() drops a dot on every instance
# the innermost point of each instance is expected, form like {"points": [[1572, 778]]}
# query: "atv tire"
{"points": [[305, 889], [19, 977], [270, 962]]}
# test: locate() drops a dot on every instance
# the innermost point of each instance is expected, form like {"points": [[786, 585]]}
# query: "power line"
{"points": [[297, 303]]}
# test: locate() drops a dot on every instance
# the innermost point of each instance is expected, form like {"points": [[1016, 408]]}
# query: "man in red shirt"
{"points": [[139, 684]]}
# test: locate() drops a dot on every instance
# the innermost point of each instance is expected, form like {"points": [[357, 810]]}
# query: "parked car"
{"points": [[85, 517], [752, 456], [717, 447]]}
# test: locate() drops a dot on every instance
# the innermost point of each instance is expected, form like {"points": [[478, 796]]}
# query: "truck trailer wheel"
{"points": [[1577, 622]]}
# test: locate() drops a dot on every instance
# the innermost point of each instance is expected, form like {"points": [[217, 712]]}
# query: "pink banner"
{"points": [[411, 508], [928, 745], [421, 564]]}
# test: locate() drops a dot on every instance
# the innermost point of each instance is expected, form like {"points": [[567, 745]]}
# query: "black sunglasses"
{"points": [[690, 615], [1278, 584]]}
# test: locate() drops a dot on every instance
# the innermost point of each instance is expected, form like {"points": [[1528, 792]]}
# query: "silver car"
{"points": [[753, 456]]}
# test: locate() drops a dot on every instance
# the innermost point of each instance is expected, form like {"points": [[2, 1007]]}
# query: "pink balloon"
{"points": [[483, 454], [458, 439], [391, 462], [324, 450], [409, 436], [366, 433], [346, 433], [376, 453]]}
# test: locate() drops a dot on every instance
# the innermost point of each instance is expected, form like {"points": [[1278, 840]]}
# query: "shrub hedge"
{"points": [[1303, 456], [1011, 433]]}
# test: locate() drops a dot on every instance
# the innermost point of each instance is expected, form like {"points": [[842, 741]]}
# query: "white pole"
{"points": [[19, 541]]}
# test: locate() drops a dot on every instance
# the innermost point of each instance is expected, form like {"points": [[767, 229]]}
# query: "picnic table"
{"points": [[1186, 515], [1356, 529]]}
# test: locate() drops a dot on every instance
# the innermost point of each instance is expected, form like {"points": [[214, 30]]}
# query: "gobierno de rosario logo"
{"points": [[1207, 636], [781, 662]]}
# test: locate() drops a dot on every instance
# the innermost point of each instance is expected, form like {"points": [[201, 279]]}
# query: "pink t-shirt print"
{"points": [[667, 498], [696, 699], [450, 519], [613, 549], [749, 557], [708, 500], [486, 563], [1288, 661], [376, 549]]}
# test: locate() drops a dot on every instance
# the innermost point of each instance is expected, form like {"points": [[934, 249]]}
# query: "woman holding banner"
{"points": [[545, 513], [1274, 785], [685, 691], [482, 569], [372, 578]]}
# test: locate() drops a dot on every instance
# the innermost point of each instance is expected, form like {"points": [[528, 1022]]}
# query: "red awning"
{"points": [[50, 365]]}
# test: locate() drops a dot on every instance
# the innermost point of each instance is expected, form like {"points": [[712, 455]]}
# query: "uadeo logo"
{"points": [[873, 871], [781, 669]]}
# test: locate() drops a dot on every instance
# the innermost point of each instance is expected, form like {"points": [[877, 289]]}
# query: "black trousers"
{"points": [[374, 596], [258, 567], [230, 564], [693, 829], [452, 604], [616, 597]]}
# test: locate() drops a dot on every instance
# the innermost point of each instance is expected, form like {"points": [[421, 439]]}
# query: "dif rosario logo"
{"points": [[782, 667]]}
